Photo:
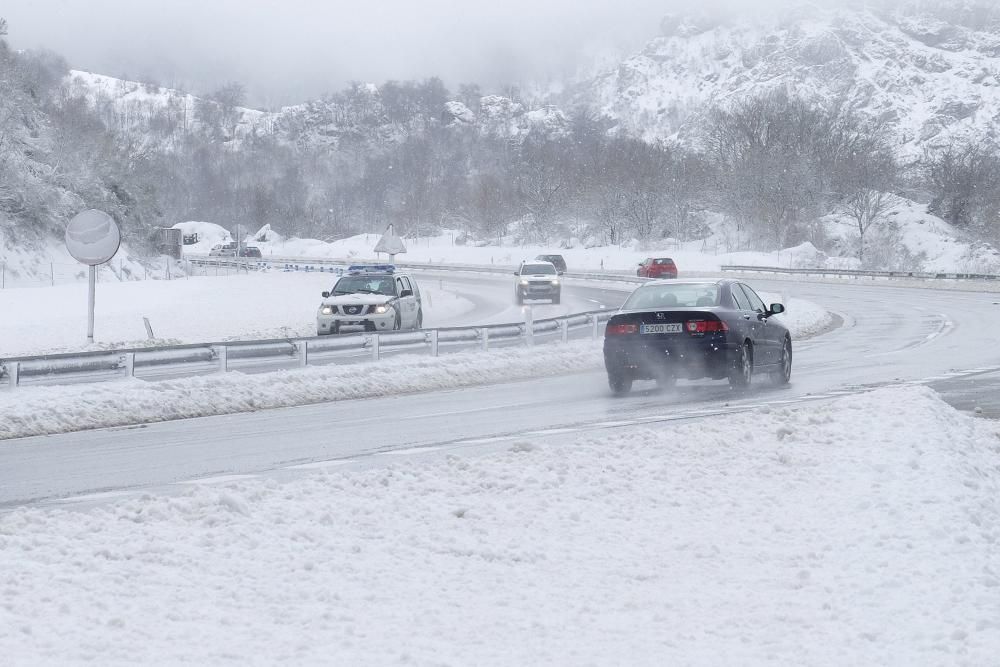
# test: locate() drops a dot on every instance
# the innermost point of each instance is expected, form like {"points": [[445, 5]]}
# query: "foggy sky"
{"points": [[286, 51]]}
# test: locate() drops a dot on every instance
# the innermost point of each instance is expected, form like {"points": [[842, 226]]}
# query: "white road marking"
{"points": [[551, 431], [484, 441], [613, 424], [221, 479], [408, 451], [319, 465]]}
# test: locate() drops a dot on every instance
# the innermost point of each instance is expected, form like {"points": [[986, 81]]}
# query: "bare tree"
{"points": [[765, 150], [962, 178], [868, 207]]}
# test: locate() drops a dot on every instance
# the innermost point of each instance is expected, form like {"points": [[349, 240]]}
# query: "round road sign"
{"points": [[92, 237]]}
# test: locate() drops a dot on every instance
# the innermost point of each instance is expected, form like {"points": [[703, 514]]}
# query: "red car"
{"points": [[657, 267]]}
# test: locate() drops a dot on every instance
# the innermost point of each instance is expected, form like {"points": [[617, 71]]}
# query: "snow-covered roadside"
{"points": [[198, 309], [46, 410], [57, 409], [859, 531], [803, 318]]}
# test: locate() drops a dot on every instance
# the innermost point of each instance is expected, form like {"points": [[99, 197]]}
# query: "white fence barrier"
{"points": [[219, 357]]}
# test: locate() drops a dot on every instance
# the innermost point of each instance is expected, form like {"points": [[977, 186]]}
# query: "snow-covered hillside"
{"points": [[932, 80], [136, 107], [909, 239]]}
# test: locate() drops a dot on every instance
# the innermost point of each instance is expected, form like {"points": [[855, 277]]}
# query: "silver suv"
{"points": [[374, 297], [537, 280]]}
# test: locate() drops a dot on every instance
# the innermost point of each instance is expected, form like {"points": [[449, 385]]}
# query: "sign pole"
{"points": [[92, 238], [91, 297]]}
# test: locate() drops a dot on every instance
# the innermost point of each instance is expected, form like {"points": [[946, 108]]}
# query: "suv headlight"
{"points": [[326, 310], [524, 282], [555, 281], [383, 309]]}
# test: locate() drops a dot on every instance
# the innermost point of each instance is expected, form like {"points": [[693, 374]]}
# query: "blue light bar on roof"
{"points": [[371, 268]]}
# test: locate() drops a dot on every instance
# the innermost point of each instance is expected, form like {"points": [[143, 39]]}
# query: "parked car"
{"points": [[223, 250], [657, 267], [536, 280], [371, 296], [250, 251], [556, 260], [689, 329]]}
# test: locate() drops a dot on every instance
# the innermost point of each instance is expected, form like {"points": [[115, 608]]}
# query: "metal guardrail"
{"points": [[922, 275], [336, 266], [123, 362]]}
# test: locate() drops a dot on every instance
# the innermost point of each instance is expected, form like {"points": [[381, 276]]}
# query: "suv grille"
{"points": [[353, 310]]}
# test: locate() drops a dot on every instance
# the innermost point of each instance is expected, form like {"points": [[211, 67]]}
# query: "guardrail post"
{"points": [[223, 353], [13, 369], [129, 359], [376, 345], [484, 337], [529, 326], [564, 329], [432, 337], [596, 324], [302, 349]]}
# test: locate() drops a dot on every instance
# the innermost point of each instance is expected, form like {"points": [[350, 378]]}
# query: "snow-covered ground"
{"points": [[857, 531], [43, 410], [197, 309]]}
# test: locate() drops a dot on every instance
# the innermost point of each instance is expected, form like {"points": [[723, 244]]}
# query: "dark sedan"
{"points": [[696, 329]]}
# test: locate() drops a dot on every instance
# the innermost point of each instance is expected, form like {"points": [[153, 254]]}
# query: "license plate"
{"points": [[660, 328]]}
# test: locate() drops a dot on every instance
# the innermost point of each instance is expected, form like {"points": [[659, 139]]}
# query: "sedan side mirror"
{"points": [[326, 295], [776, 309]]}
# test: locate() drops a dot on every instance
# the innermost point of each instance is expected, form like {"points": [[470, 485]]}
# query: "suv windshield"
{"points": [[542, 269], [365, 285], [684, 295]]}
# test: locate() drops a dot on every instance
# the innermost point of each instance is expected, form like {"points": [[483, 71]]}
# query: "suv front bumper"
{"points": [[326, 324], [538, 290]]}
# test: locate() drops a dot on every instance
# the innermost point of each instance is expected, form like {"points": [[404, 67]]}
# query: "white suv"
{"points": [[374, 297], [537, 280]]}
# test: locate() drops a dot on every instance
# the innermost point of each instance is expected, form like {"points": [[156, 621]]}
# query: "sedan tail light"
{"points": [[705, 326], [620, 329]]}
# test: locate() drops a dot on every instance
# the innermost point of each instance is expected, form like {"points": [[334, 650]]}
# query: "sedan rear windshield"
{"points": [[679, 295], [664, 260], [538, 269]]}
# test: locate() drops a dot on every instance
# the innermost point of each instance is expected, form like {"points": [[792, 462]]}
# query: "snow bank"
{"points": [[43, 410], [803, 318], [797, 541], [209, 235]]}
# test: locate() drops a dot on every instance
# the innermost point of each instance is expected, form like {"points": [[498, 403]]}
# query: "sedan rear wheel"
{"points": [[620, 383], [742, 371]]}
